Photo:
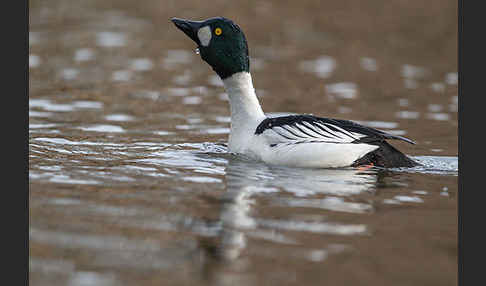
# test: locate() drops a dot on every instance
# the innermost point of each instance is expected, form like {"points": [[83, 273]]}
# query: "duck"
{"points": [[301, 140]]}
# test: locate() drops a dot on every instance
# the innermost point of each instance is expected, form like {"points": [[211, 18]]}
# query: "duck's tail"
{"points": [[385, 156]]}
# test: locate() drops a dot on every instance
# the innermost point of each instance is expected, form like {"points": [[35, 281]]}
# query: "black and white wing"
{"points": [[295, 129]]}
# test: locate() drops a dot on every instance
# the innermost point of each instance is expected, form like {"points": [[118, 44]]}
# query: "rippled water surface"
{"points": [[131, 182]]}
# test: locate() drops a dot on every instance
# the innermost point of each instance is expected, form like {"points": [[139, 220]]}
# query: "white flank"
{"points": [[316, 155]]}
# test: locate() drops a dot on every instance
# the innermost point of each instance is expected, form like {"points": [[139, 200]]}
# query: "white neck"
{"points": [[246, 112]]}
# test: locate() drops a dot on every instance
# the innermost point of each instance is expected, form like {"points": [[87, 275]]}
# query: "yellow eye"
{"points": [[218, 31]]}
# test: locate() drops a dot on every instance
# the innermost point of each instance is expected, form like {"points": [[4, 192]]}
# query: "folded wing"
{"points": [[296, 129]]}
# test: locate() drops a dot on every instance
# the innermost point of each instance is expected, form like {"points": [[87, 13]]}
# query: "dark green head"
{"points": [[221, 44]]}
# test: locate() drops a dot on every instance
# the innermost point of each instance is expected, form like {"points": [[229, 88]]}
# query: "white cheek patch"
{"points": [[204, 35]]}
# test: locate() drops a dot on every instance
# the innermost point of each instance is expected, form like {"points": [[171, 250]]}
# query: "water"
{"points": [[130, 181]]}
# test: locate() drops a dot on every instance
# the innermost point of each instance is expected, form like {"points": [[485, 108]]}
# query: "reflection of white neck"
{"points": [[235, 218], [246, 112]]}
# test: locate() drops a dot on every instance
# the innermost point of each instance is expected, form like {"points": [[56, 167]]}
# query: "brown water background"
{"points": [[130, 182]]}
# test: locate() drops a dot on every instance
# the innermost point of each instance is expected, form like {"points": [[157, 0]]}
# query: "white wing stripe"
{"points": [[358, 135], [304, 131], [296, 131], [332, 133], [315, 131], [342, 130], [310, 130], [319, 130], [285, 133]]}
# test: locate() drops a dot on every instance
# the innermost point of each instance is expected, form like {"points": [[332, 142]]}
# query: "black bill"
{"points": [[189, 28]]}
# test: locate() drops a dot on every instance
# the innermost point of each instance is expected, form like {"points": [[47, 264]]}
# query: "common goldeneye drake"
{"points": [[294, 140]]}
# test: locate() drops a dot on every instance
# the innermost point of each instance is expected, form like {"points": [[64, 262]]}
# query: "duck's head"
{"points": [[221, 44]]}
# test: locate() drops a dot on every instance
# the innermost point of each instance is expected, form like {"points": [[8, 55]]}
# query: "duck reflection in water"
{"points": [[244, 180]]}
